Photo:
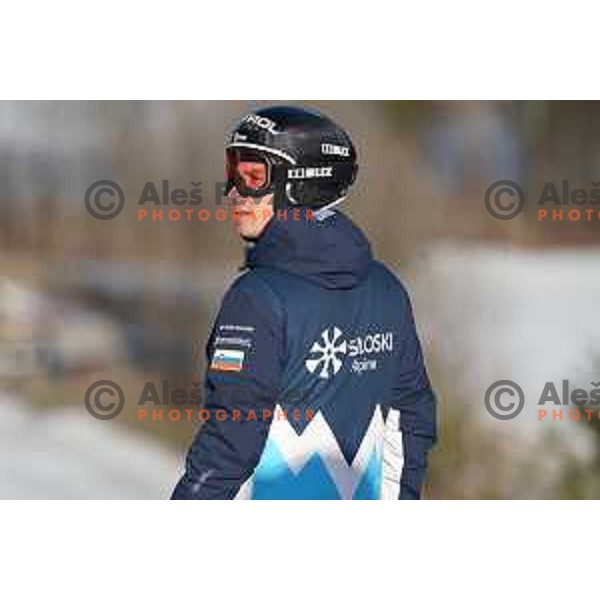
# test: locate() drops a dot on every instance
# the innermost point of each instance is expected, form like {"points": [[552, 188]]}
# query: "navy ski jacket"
{"points": [[315, 385]]}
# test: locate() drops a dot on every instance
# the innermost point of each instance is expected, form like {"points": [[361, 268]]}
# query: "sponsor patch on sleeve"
{"points": [[225, 359]]}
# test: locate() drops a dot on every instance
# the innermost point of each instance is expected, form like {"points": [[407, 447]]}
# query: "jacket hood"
{"points": [[331, 252]]}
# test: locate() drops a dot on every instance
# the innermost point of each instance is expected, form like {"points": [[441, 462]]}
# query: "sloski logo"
{"points": [[327, 354], [327, 351]]}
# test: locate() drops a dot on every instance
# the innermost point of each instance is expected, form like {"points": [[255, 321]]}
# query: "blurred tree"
{"points": [[580, 477], [469, 461]]}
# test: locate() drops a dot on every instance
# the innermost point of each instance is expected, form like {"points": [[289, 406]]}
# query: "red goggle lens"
{"points": [[247, 172]]}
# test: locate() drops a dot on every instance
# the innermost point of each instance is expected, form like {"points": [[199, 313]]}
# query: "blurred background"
{"points": [[83, 299]]}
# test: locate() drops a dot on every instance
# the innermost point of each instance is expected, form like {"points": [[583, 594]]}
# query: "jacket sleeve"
{"points": [[245, 359], [415, 400]]}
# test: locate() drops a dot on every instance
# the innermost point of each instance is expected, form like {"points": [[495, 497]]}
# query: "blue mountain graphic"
{"points": [[273, 479]]}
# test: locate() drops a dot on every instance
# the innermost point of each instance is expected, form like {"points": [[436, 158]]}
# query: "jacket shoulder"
{"points": [[391, 280], [250, 289]]}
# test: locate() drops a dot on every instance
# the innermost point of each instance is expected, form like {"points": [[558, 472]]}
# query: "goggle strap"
{"points": [[334, 172]]}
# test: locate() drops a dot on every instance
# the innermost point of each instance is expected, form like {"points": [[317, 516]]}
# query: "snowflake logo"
{"points": [[327, 350]]}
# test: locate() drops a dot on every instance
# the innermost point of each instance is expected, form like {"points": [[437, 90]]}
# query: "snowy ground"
{"points": [[67, 454]]}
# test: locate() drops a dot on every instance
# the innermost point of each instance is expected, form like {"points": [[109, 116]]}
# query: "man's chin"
{"points": [[247, 234], [249, 238], [251, 231]]}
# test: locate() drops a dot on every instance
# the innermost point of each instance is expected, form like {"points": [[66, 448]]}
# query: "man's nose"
{"points": [[235, 198]]}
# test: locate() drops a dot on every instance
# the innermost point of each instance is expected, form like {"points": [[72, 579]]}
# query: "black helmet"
{"points": [[308, 159]]}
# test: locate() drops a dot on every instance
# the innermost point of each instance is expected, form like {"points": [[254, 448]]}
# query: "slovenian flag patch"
{"points": [[227, 360]]}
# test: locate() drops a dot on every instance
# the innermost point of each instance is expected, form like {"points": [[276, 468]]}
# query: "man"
{"points": [[315, 386]]}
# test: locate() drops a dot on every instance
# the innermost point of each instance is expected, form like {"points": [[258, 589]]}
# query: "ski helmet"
{"points": [[300, 156]]}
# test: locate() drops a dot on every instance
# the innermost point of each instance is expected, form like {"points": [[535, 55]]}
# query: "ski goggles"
{"points": [[249, 171], [254, 173]]}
